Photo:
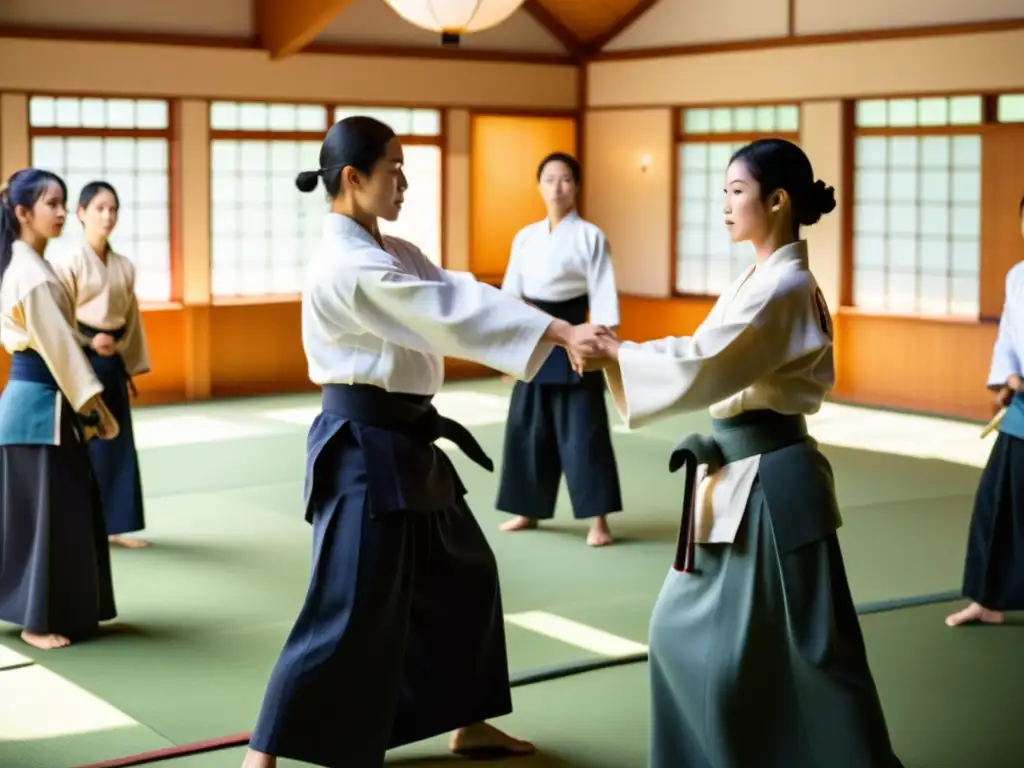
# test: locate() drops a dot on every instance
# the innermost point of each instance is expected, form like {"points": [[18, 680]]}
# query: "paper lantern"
{"points": [[454, 18]]}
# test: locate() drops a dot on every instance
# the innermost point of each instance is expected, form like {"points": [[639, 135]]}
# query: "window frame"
{"points": [[170, 134], [269, 135], [680, 137], [988, 121]]}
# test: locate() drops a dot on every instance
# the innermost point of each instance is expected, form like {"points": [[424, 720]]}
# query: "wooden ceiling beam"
{"points": [[285, 27], [639, 9], [554, 25]]}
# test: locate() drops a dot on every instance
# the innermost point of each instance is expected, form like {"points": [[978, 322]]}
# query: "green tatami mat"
{"points": [[953, 699], [79, 749], [204, 611], [203, 614]]}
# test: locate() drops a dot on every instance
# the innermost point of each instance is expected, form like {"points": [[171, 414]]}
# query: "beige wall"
{"points": [[633, 207], [631, 101], [197, 74], [225, 73]]}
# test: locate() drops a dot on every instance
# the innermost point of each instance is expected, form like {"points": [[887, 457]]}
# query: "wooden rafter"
{"points": [[285, 27]]}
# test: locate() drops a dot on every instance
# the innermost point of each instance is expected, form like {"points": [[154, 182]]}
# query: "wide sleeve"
{"points": [[604, 296], [673, 375], [456, 316], [52, 337], [132, 347], [1005, 360]]}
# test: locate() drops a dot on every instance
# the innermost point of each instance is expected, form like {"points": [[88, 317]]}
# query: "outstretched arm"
{"points": [[455, 316], [655, 379]]}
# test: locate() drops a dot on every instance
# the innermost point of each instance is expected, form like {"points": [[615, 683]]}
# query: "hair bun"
{"points": [[307, 180], [824, 198]]}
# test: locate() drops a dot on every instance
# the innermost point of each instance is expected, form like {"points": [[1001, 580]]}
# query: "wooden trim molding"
{"points": [[253, 43], [794, 40]]}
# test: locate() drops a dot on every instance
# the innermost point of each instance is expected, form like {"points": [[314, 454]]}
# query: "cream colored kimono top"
{"points": [[766, 344], [36, 313], [104, 295]]}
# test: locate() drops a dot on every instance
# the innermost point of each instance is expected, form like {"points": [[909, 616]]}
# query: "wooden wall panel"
{"points": [[644, 319], [1002, 185], [504, 153], [935, 366]]}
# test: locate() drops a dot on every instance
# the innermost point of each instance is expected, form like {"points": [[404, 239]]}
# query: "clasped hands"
{"points": [[592, 347], [104, 344]]}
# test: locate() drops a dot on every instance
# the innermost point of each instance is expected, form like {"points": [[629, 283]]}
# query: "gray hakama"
{"points": [[756, 653], [401, 636], [558, 424]]}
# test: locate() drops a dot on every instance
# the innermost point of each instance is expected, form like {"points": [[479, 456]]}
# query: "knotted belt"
{"points": [[410, 415], [751, 433]]}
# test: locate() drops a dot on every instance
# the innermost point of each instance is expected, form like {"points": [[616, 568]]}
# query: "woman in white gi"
{"points": [[994, 564], [401, 636], [756, 653], [55, 580], [102, 283], [558, 421]]}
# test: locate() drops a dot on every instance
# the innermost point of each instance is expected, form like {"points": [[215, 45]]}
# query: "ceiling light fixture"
{"points": [[454, 18]]}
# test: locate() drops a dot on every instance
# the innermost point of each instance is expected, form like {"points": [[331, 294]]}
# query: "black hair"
{"points": [[779, 164], [24, 188], [356, 141], [1021, 213], [93, 188], [561, 157]]}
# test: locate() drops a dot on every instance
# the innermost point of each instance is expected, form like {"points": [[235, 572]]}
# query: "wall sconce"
{"points": [[645, 163]]}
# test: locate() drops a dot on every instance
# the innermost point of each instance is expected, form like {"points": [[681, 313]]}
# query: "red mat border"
{"points": [[169, 753]]}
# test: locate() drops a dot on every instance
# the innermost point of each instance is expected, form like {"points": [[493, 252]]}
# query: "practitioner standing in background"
{"points": [[756, 654], [401, 636], [558, 422], [55, 580], [994, 564], [102, 284]]}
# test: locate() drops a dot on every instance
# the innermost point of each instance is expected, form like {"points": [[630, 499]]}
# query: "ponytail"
{"points": [[24, 188], [8, 230]]}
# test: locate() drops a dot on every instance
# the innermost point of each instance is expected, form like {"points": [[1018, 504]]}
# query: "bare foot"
{"points": [[519, 524], [974, 613], [45, 642], [600, 534], [482, 740], [128, 542], [254, 759]]}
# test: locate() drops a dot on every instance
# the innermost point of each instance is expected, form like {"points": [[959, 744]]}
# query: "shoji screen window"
{"points": [[263, 230], [917, 206], [124, 142], [420, 133], [1010, 108], [706, 260]]}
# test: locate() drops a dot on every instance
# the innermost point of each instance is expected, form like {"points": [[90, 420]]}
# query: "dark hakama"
{"points": [[756, 656], [558, 424], [994, 565], [401, 636], [54, 558], [116, 462]]}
